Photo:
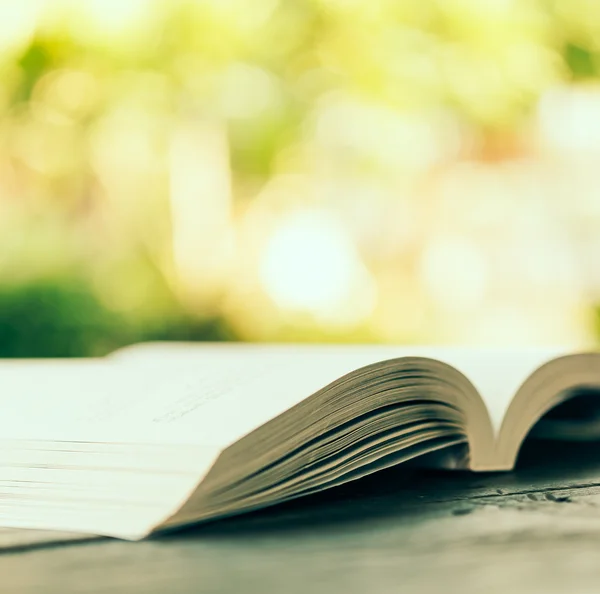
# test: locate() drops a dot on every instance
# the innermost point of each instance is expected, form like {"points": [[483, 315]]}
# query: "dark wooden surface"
{"points": [[534, 530]]}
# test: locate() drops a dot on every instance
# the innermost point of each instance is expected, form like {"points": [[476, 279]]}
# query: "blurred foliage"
{"points": [[53, 317], [151, 150], [62, 317]]}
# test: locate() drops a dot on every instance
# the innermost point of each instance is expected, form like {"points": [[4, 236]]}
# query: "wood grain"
{"points": [[534, 530]]}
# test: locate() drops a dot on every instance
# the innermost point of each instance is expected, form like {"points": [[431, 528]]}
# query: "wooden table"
{"points": [[534, 530]]}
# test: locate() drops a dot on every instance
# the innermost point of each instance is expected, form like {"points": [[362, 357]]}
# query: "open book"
{"points": [[158, 436]]}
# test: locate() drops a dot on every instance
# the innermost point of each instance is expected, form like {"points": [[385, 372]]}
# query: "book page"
{"points": [[212, 394], [220, 393], [496, 373]]}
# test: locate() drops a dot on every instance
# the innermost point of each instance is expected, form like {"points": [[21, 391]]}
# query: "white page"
{"points": [[208, 395], [81, 485], [222, 393], [212, 394], [286, 374]]}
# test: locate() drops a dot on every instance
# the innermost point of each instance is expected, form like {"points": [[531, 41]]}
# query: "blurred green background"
{"points": [[311, 170]]}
